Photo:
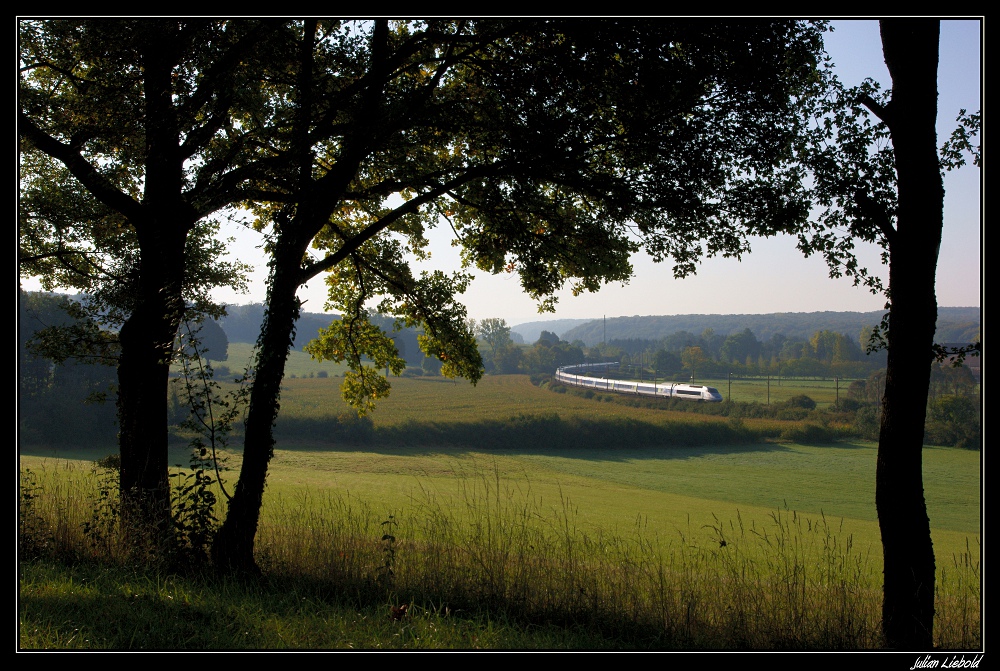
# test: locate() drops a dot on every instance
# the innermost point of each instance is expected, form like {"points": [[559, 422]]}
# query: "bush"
{"points": [[352, 428], [808, 433], [866, 422], [801, 401], [111, 462], [954, 421], [846, 405], [539, 379]]}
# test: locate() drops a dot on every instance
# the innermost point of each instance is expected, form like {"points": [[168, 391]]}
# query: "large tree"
{"points": [[553, 149], [132, 134], [882, 182], [495, 333]]}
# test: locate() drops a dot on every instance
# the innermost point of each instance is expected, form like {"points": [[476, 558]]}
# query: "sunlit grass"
{"points": [[488, 563], [522, 518], [487, 546], [778, 390]]}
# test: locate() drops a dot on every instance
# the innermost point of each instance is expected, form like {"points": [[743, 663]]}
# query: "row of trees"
{"points": [[954, 407], [552, 148], [62, 400], [826, 354]]}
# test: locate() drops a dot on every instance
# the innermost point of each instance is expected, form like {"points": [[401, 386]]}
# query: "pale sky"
{"points": [[774, 277]]}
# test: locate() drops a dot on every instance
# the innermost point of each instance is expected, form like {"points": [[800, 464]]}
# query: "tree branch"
{"points": [[94, 181]]}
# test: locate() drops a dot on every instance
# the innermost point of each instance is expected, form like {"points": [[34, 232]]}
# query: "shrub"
{"points": [[846, 405], [111, 462], [866, 422], [352, 428], [34, 537], [801, 401], [808, 433], [954, 421], [539, 379]]}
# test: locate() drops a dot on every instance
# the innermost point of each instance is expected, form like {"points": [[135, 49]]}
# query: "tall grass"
{"points": [[492, 553], [790, 583]]}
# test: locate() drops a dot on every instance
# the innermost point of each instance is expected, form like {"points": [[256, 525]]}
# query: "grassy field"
{"points": [[776, 390], [437, 400], [824, 392], [616, 480], [759, 390], [617, 506], [299, 363]]}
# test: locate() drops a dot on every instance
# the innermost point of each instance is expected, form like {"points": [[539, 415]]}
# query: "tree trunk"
{"points": [[145, 495], [233, 548], [911, 53], [147, 339]]}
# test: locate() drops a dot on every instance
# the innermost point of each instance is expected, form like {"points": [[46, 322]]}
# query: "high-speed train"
{"points": [[577, 376]]}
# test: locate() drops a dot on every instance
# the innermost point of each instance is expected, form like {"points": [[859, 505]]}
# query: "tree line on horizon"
{"points": [[77, 388], [953, 324]]}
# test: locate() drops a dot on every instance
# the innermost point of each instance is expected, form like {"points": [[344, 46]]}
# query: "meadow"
{"points": [[618, 538], [749, 389]]}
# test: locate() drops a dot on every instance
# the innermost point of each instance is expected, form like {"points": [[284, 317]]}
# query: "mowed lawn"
{"points": [[668, 492]]}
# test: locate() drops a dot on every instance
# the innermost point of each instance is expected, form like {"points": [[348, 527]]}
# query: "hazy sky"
{"points": [[774, 277]]}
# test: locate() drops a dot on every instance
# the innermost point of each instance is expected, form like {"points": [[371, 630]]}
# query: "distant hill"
{"points": [[242, 324], [954, 324], [530, 331]]}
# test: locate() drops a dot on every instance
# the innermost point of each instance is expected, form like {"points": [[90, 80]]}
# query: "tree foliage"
{"points": [[494, 332], [550, 148]]}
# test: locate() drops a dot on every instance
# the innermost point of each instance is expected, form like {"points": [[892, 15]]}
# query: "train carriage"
{"points": [[576, 376]]}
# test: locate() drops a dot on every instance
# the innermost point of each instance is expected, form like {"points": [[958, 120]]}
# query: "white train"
{"points": [[577, 376]]}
